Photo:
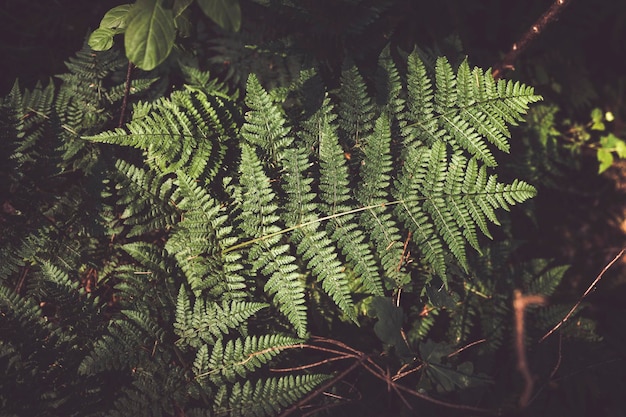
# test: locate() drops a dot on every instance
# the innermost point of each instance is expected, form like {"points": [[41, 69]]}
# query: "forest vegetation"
{"points": [[332, 207]]}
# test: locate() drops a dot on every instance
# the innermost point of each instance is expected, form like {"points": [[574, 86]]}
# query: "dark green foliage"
{"points": [[173, 265]]}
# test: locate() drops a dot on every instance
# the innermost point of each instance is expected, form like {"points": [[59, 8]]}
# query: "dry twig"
{"points": [[533, 32], [580, 300], [520, 302]]}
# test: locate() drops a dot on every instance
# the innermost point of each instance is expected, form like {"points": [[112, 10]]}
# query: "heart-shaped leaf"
{"points": [[101, 39], [116, 17]]}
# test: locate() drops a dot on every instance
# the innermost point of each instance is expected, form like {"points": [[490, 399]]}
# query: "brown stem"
{"points": [[428, 398], [533, 32], [126, 94], [520, 302], [321, 389], [312, 365], [580, 300]]}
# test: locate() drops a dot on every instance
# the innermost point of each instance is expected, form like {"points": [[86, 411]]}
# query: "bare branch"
{"points": [[520, 302], [580, 300], [533, 32]]}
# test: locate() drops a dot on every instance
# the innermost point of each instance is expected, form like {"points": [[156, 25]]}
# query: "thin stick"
{"points": [[533, 32], [425, 397], [20, 282], [308, 223], [321, 389], [461, 349], [126, 94], [580, 300], [311, 365], [520, 302]]}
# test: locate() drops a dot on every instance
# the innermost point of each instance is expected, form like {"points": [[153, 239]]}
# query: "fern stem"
{"points": [[126, 94], [305, 224]]}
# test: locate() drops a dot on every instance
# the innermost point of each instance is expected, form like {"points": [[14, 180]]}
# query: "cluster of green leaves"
{"points": [[150, 28]]}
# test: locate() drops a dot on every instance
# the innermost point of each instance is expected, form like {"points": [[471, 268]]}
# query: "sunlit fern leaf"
{"points": [[467, 109], [355, 108], [375, 179], [265, 124], [420, 104], [454, 187], [336, 198], [239, 357], [259, 220], [412, 212], [313, 244], [434, 215], [197, 242], [177, 134], [264, 397]]}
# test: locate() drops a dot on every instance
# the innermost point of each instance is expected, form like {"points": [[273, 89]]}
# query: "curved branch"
{"points": [[533, 32], [580, 300]]}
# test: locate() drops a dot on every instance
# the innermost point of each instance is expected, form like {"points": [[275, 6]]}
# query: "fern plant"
{"points": [[239, 232], [286, 210]]}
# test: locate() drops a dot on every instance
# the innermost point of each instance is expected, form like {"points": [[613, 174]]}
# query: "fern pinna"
{"points": [[340, 200]]}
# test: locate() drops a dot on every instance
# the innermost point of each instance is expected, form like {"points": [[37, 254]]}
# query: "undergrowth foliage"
{"points": [[211, 239]]}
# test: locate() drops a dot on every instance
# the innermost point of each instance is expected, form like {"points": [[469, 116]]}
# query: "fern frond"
{"points": [[420, 104], [355, 109], [375, 179], [444, 199], [315, 247], [258, 219], [412, 211], [207, 321], [542, 278], [198, 240], [239, 357], [264, 397], [467, 109], [389, 97], [182, 132], [146, 199], [265, 123], [335, 196]]}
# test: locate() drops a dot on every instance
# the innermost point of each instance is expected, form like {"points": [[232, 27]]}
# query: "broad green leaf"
{"points": [[449, 379], [597, 118], [150, 34], [116, 17], [388, 328], [183, 25], [101, 39], [226, 13], [605, 158], [180, 6], [620, 148]]}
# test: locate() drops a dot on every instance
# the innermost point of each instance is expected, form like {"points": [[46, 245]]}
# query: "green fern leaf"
{"points": [[355, 109], [375, 182], [265, 124], [265, 397], [258, 219], [239, 357], [175, 135], [198, 241], [315, 247]]}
